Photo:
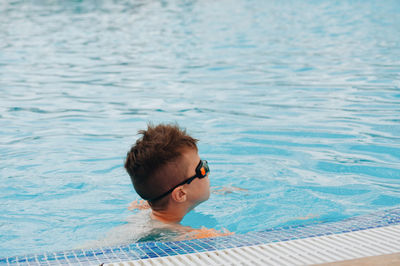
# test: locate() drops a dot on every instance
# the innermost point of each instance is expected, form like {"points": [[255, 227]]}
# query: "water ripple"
{"points": [[298, 102]]}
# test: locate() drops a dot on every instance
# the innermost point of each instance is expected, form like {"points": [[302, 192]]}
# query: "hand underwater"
{"points": [[210, 232], [206, 232], [138, 205], [226, 190]]}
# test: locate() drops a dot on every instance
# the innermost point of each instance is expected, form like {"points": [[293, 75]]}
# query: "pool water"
{"points": [[296, 103]]}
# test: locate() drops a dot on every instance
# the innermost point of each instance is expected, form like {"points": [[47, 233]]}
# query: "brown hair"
{"points": [[153, 162]]}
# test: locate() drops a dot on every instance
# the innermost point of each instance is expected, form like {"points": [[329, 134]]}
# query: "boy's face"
{"points": [[199, 188]]}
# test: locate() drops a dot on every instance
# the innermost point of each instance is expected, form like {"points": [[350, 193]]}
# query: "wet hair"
{"points": [[154, 161]]}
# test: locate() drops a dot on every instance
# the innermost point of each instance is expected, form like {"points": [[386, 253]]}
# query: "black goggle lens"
{"points": [[203, 169]]}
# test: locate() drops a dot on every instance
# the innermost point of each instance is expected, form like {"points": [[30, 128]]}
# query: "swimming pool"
{"points": [[298, 103]]}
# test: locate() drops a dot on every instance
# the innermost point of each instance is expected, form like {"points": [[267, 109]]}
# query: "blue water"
{"points": [[297, 102]]}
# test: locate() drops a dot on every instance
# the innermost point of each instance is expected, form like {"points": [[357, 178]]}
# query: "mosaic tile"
{"points": [[145, 250]]}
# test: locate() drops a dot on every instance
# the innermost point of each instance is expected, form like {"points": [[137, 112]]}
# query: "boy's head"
{"points": [[163, 158]]}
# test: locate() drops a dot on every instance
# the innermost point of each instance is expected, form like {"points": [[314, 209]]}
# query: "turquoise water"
{"points": [[298, 103]]}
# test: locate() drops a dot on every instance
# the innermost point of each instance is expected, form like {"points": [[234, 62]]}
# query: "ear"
{"points": [[179, 194]]}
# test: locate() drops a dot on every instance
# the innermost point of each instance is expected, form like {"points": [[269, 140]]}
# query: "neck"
{"points": [[173, 214]]}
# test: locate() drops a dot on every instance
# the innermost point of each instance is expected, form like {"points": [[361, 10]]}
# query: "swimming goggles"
{"points": [[202, 170]]}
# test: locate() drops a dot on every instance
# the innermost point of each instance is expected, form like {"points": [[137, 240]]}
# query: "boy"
{"points": [[166, 170]]}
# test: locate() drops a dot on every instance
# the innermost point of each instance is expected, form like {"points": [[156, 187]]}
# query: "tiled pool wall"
{"points": [[146, 250]]}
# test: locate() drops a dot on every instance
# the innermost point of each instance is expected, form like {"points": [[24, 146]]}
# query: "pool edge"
{"points": [[146, 250]]}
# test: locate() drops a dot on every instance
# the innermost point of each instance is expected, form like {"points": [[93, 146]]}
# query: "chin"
{"points": [[207, 197]]}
